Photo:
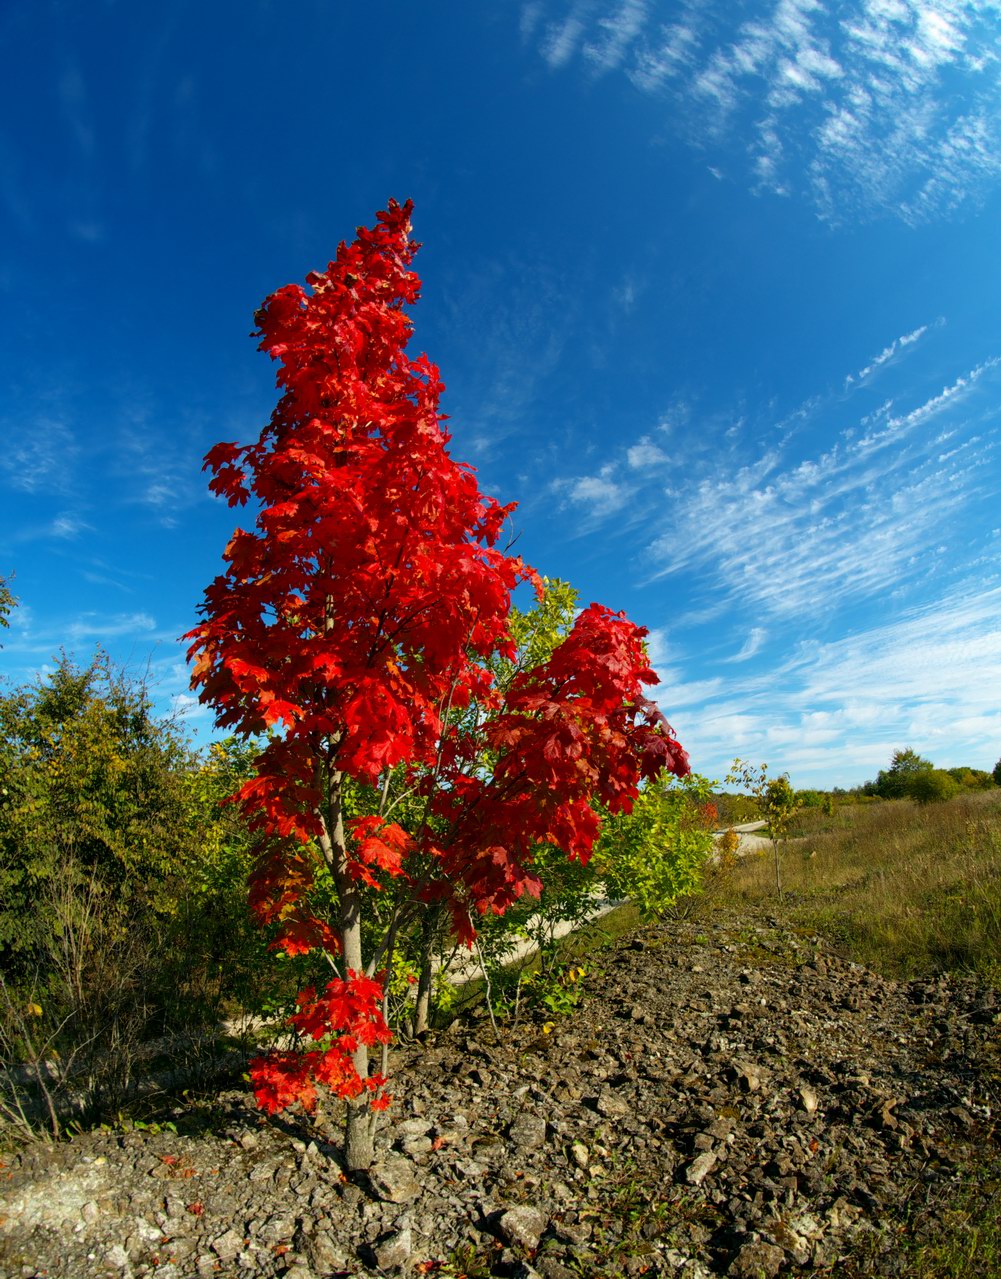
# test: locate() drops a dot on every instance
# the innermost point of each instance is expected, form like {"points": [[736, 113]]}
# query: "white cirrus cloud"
{"points": [[599, 495], [896, 347], [752, 645], [803, 535], [877, 106], [833, 713], [618, 30], [561, 41], [39, 455], [644, 454]]}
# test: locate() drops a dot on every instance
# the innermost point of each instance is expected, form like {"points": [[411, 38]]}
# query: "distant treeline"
{"points": [[909, 776]]}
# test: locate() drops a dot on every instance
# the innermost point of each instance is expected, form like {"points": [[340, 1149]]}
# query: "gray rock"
{"points": [[749, 1076], [757, 1260], [523, 1226], [612, 1106], [417, 1146], [227, 1246], [808, 1100], [393, 1250], [117, 1256], [394, 1179], [528, 1131], [700, 1167], [326, 1253]]}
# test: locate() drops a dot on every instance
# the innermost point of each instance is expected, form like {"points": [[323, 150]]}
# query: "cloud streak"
{"points": [[857, 108], [801, 535], [896, 348], [862, 519]]}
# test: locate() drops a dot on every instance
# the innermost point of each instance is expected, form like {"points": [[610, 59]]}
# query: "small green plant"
{"points": [[777, 802], [563, 994]]}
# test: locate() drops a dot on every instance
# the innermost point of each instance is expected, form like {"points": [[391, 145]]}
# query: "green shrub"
{"points": [[932, 786]]}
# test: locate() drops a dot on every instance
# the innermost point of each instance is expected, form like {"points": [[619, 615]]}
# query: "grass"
{"points": [[908, 890], [957, 1236]]}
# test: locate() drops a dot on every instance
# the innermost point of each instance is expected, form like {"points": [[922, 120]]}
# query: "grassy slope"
{"points": [[908, 890]]}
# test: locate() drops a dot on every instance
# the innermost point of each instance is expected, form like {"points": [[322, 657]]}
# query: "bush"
{"points": [[932, 786], [123, 916], [657, 853]]}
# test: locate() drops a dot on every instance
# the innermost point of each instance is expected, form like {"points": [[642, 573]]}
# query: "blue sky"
{"points": [[714, 289]]}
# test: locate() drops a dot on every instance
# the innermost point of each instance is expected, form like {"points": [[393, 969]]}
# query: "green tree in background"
{"points": [[90, 802], [932, 786], [971, 778], [123, 912], [895, 782]]}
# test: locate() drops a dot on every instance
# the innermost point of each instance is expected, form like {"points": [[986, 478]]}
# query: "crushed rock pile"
{"points": [[730, 1099]]}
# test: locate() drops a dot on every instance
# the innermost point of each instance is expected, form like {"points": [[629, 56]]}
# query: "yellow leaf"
{"points": [[34, 1010]]}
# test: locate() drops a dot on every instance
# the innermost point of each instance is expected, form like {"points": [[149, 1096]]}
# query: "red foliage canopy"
{"points": [[358, 617]]}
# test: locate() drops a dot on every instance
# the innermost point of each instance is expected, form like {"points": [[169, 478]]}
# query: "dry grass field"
{"points": [[909, 890]]}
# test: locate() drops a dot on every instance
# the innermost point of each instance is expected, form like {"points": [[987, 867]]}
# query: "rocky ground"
{"points": [[730, 1098]]}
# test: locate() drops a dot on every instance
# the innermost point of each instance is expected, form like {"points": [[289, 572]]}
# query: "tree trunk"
{"points": [[422, 1007], [429, 936], [359, 1133]]}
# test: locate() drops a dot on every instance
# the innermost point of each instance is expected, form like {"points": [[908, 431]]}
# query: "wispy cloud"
{"points": [[491, 399], [874, 509], [160, 469], [96, 626], [65, 527], [618, 30], [75, 103], [752, 645], [807, 535], [39, 455], [561, 41], [857, 108], [645, 453], [896, 347], [930, 679]]}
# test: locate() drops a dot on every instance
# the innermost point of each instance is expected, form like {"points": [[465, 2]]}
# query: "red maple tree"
{"points": [[354, 626]]}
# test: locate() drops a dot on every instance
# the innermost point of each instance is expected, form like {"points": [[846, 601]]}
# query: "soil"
{"points": [[730, 1098]]}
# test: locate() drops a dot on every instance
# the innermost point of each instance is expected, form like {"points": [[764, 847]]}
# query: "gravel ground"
{"points": [[730, 1098]]}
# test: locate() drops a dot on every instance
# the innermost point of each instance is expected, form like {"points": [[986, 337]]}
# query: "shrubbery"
{"points": [[123, 916]]}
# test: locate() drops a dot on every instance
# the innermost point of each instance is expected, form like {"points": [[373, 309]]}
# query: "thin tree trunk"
{"points": [[359, 1133], [429, 936], [422, 1006]]}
